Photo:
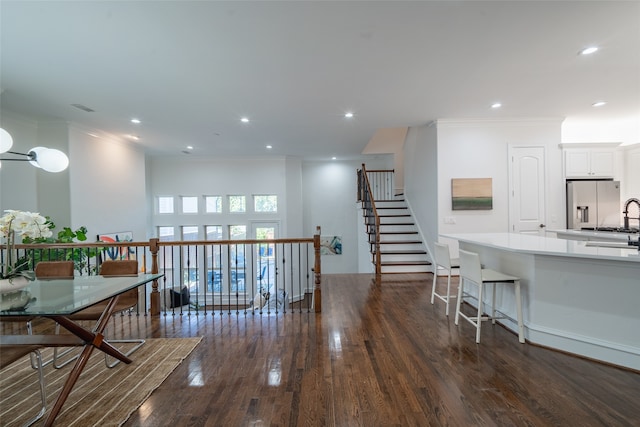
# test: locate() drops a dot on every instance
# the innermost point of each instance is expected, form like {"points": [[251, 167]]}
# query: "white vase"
{"points": [[13, 284]]}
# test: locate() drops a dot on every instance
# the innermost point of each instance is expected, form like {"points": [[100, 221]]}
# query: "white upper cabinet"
{"points": [[589, 162]]}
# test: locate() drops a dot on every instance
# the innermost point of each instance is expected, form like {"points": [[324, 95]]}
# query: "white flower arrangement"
{"points": [[23, 224]]}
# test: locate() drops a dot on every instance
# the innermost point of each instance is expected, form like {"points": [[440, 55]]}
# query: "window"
{"points": [[189, 232], [189, 258], [165, 204], [166, 234], [189, 204], [236, 258], [213, 232], [265, 203], [237, 204], [213, 204], [214, 258], [165, 258]]}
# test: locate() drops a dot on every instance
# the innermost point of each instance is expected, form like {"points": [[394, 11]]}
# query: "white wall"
{"points": [[107, 181], [18, 180], [631, 182], [103, 189], [421, 180], [477, 149], [189, 175], [25, 187], [330, 201]]}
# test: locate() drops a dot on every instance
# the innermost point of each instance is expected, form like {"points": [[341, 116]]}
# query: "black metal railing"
{"points": [[205, 277]]}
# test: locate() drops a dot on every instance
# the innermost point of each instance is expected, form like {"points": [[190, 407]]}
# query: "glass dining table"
{"points": [[57, 299]]}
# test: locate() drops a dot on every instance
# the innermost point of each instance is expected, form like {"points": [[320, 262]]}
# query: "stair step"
{"points": [[400, 242], [393, 232], [402, 252], [387, 263]]}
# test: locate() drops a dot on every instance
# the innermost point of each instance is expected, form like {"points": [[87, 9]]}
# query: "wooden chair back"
{"points": [[122, 268], [54, 270]]}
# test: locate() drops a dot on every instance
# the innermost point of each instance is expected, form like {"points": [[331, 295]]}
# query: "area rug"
{"points": [[102, 396]]}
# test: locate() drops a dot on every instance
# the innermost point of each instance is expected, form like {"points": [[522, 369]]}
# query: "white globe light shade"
{"points": [[36, 150], [6, 142], [53, 160]]}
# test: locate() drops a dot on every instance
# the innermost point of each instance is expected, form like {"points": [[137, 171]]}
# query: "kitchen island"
{"points": [[576, 298], [593, 235]]}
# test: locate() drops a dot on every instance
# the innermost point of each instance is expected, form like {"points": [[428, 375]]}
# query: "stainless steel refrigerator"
{"points": [[593, 204]]}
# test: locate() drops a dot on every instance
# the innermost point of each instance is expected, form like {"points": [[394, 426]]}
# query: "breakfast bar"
{"points": [[577, 296]]}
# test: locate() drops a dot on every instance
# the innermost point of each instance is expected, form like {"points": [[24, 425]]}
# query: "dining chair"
{"points": [[444, 261], [126, 301], [54, 270], [51, 270], [471, 271], [11, 354]]}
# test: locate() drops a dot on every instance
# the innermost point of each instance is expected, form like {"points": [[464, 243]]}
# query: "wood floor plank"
{"points": [[380, 354]]}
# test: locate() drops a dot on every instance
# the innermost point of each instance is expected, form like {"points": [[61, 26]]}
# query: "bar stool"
{"points": [[472, 271], [444, 261]]}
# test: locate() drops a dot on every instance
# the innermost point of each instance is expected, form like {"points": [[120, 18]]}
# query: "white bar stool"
{"points": [[472, 271], [443, 260]]}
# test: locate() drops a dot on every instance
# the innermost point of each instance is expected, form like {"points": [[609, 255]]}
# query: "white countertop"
{"points": [[533, 244]]}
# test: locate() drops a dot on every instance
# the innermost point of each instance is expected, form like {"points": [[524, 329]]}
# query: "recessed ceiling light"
{"points": [[134, 137], [588, 50], [244, 120], [269, 147], [348, 115], [136, 121], [93, 135], [334, 158], [496, 105], [189, 147], [598, 104]]}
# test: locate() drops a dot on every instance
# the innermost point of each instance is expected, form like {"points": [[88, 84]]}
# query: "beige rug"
{"points": [[104, 397]]}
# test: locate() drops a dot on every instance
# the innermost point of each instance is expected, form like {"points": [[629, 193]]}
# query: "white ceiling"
{"points": [[191, 70]]}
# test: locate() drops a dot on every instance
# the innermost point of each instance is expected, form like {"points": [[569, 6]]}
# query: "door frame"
{"points": [[514, 199]]}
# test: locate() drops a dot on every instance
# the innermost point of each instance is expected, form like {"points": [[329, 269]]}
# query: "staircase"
{"points": [[401, 249]]}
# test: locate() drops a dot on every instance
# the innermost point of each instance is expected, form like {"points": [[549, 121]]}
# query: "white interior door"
{"points": [[527, 188]]}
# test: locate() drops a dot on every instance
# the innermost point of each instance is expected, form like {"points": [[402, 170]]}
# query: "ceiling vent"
{"points": [[83, 108]]}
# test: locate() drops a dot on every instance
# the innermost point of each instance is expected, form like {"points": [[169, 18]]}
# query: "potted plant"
{"points": [[14, 271]]}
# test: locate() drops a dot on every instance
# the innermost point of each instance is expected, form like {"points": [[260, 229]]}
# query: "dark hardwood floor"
{"points": [[378, 355]]}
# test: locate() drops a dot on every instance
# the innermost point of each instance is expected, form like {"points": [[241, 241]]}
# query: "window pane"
{"points": [[237, 204], [236, 258], [264, 260], [213, 232], [189, 204], [165, 204], [190, 275], [214, 259], [165, 258], [237, 232], [213, 204], [265, 203], [165, 234], [189, 232]]}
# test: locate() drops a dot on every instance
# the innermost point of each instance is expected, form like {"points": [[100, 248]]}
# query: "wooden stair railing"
{"points": [[366, 198], [84, 255]]}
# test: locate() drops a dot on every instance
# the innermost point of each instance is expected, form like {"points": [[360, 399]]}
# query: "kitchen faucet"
{"points": [[626, 212]]}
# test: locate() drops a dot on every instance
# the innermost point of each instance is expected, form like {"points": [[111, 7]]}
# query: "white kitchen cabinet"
{"points": [[589, 163]]}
